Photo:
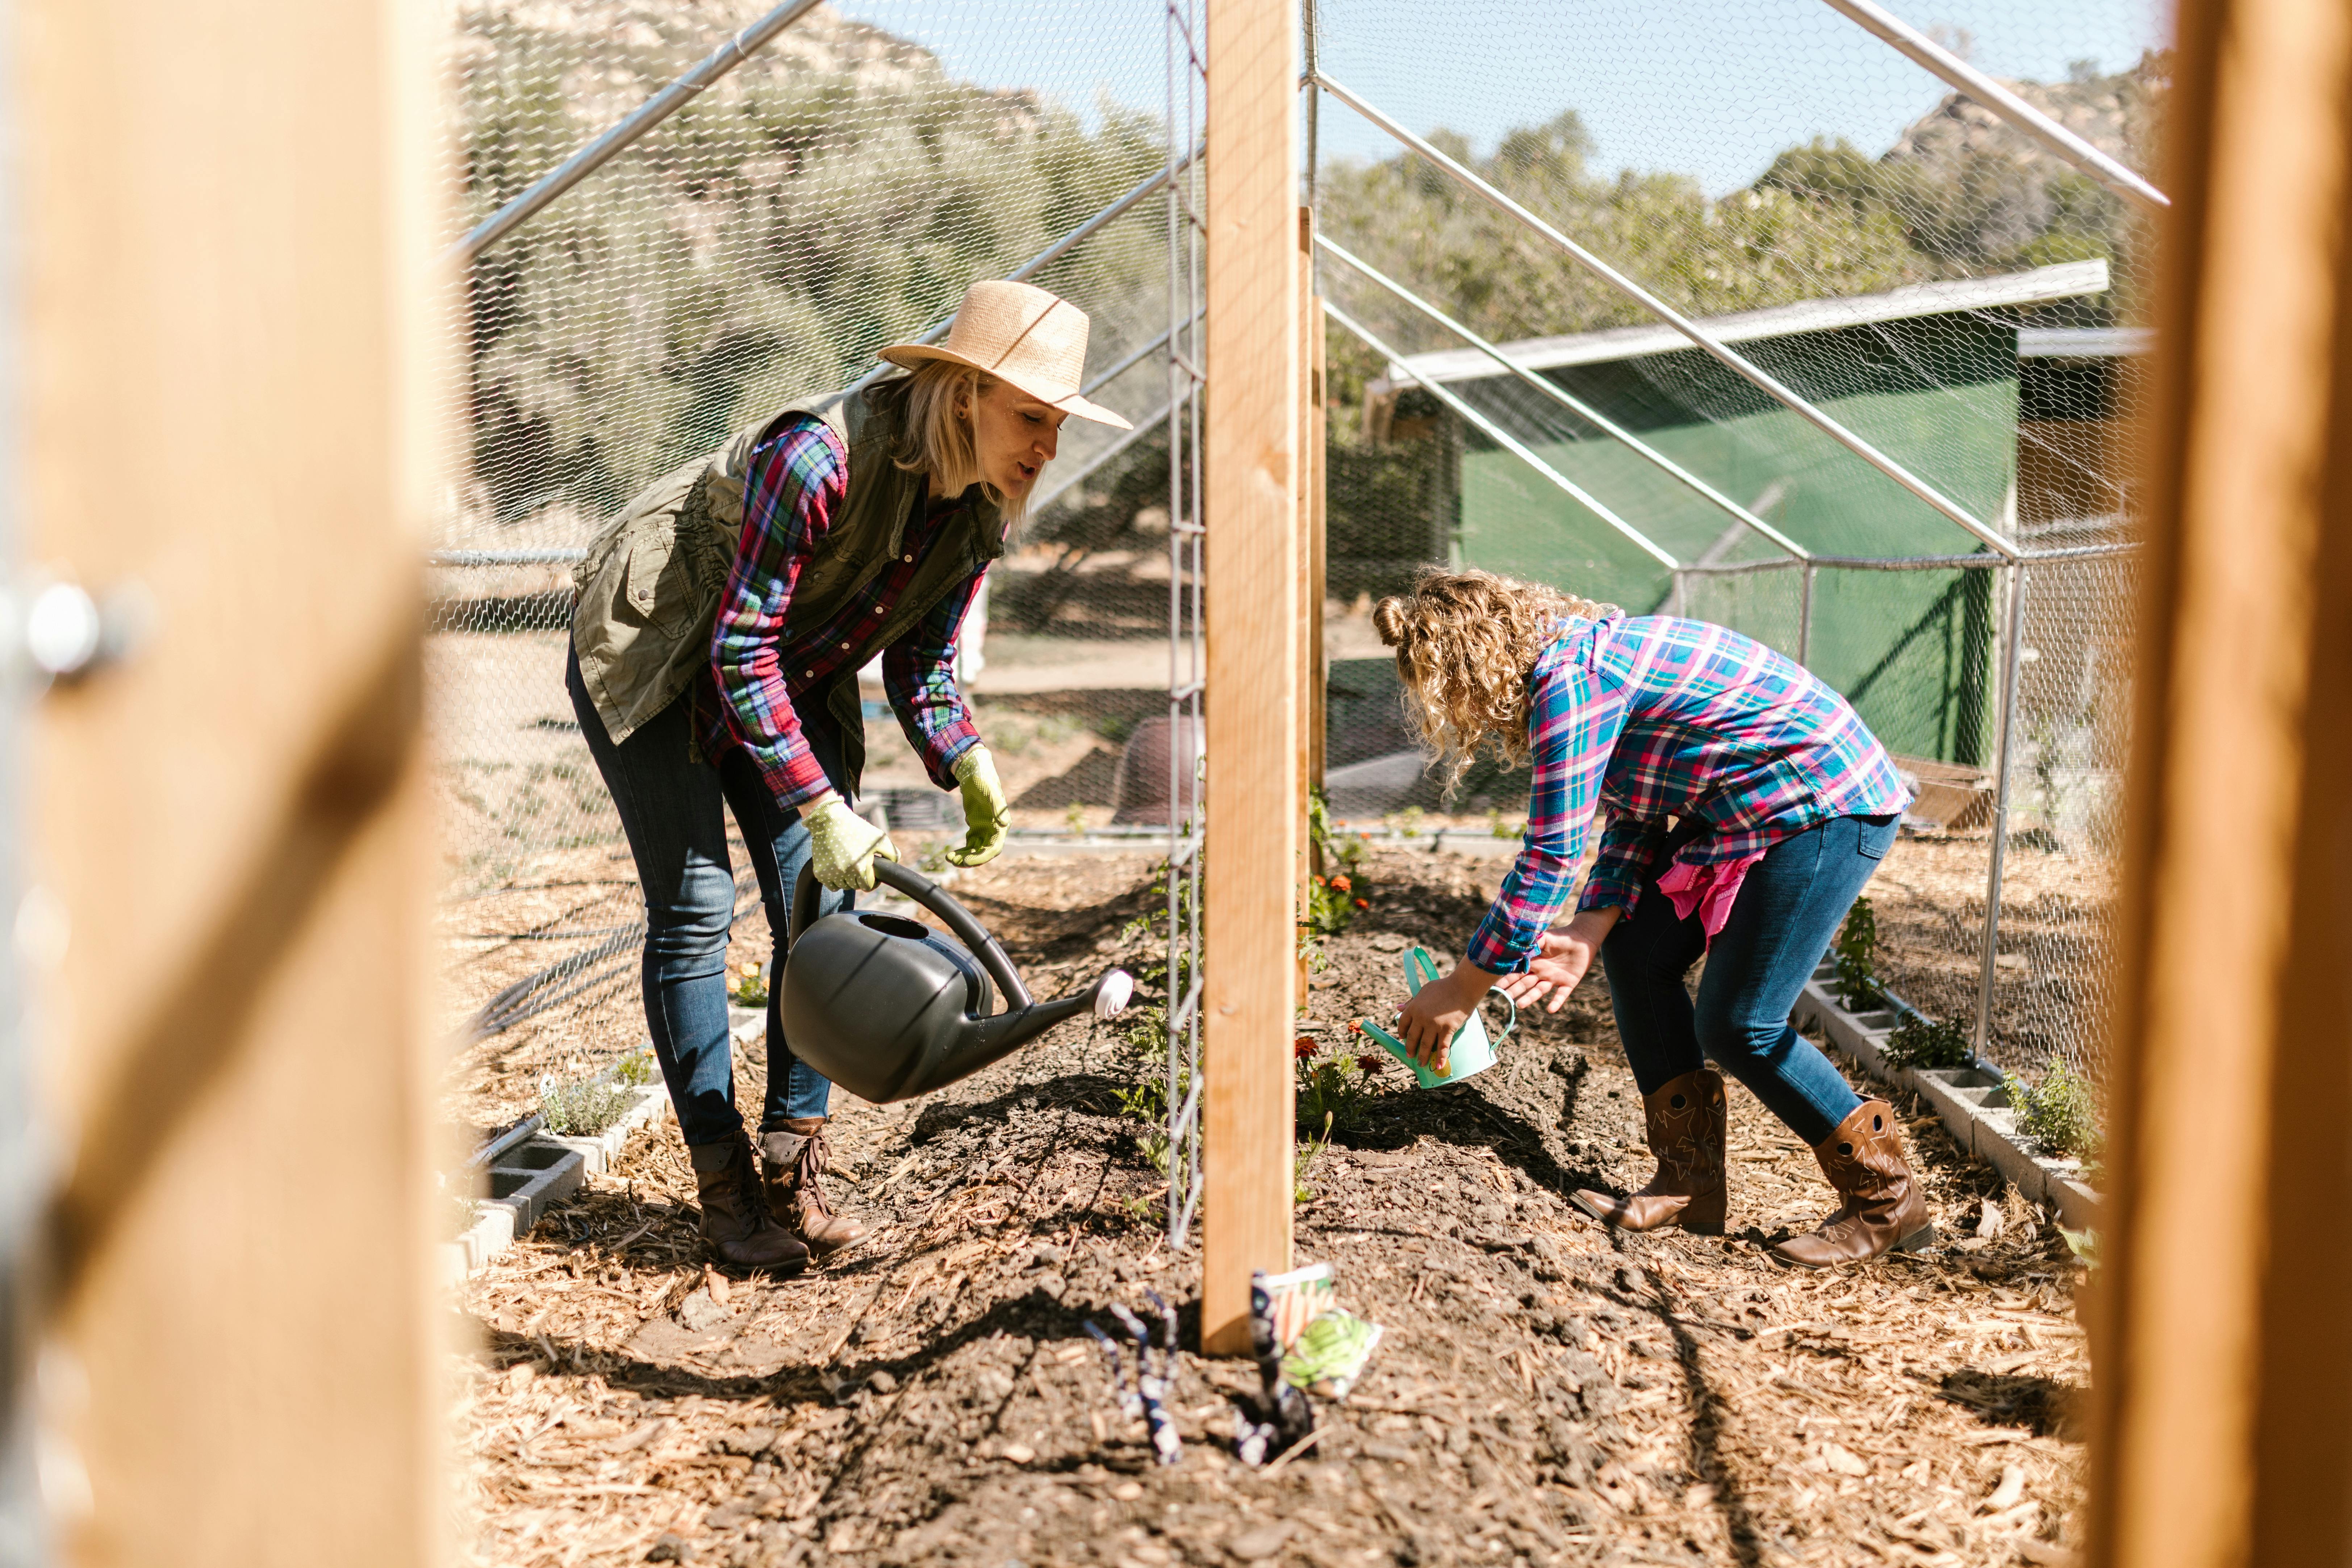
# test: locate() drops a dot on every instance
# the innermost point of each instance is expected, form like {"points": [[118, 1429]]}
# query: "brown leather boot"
{"points": [[735, 1222], [792, 1160], [1883, 1211], [1685, 1122]]}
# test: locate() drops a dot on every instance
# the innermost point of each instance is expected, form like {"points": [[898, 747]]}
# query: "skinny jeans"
{"points": [[1788, 910], [673, 809]]}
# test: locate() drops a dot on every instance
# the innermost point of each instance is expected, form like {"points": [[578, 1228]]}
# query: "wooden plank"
{"points": [[1309, 864], [1318, 571], [222, 252], [1254, 636], [2218, 1436]]}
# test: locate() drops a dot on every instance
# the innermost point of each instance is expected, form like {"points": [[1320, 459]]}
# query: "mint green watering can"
{"points": [[1469, 1054]]}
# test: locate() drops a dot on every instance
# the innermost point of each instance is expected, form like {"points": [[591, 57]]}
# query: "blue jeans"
{"points": [[1788, 911], [673, 810]]}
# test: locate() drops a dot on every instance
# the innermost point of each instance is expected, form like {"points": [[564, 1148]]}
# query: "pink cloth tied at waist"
{"points": [[1709, 889]]}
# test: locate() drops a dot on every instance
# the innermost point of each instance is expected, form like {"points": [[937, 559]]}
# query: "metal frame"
{"points": [[1510, 444], [2004, 553], [2056, 139], [646, 115], [1188, 658], [1566, 399], [1723, 353]]}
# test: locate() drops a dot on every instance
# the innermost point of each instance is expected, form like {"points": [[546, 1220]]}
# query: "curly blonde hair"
{"points": [[1465, 642]]}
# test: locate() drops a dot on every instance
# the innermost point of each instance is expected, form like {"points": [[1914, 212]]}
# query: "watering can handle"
{"points": [[934, 897]]}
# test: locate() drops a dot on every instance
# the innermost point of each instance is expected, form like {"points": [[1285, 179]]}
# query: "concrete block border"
{"points": [[1971, 1101], [540, 1172]]}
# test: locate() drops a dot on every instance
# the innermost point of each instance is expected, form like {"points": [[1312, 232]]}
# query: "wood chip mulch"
{"points": [[1548, 1391]]}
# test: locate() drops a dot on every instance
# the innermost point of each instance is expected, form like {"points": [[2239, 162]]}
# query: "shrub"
{"points": [[1919, 1042], [583, 1109], [1855, 952], [2061, 1112]]}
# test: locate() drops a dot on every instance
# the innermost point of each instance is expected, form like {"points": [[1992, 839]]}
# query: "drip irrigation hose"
{"points": [[526, 997]]}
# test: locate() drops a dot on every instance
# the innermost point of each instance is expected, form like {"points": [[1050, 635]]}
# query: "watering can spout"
{"points": [[992, 1039], [889, 1009]]}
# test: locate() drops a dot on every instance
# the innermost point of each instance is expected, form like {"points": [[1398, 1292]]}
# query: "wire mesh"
{"points": [[1908, 266], [834, 192]]}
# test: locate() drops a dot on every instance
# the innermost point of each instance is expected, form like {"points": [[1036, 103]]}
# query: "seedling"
{"points": [[1856, 957], [1919, 1042]]}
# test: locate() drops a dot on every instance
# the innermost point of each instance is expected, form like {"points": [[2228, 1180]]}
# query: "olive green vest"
{"points": [[649, 587]]}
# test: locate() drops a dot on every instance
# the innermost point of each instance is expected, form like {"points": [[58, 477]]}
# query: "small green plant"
{"points": [[1075, 819], [635, 1069], [2083, 1244], [458, 1213], [1333, 1089], [1150, 926], [1336, 891], [1855, 953], [1146, 1099], [751, 987], [1407, 822], [2061, 1112], [933, 860], [1921, 1042], [1304, 1161], [583, 1109], [1501, 826]]}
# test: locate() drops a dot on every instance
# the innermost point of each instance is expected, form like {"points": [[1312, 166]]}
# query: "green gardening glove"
{"points": [[985, 815], [843, 846]]}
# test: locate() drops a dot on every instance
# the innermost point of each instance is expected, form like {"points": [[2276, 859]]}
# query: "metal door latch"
{"points": [[51, 629]]}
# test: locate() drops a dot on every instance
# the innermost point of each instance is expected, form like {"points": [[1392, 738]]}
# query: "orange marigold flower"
{"points": [[1341, 883], [1363, 903], [1302, 1048]]}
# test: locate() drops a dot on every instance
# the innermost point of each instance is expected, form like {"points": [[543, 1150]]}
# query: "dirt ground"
{"points": [[1548, 1391]]}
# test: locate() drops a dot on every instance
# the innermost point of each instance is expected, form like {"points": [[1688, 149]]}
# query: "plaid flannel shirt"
{"points": [[762, 662], [1656, 717]]}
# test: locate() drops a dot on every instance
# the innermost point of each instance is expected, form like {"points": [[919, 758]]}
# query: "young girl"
{"points": [[1747, 805]]}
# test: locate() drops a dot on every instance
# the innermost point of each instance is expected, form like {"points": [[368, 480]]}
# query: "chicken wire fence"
{"points": [[834, 187], [1912, 397]]}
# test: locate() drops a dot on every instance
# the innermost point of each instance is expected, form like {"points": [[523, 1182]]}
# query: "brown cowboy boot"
{"points": [[734, 1221], [1687, 1129], [793, 1159], [1883, 1210]]}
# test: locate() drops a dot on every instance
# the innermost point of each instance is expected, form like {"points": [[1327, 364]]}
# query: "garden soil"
{"points": [[1548, 1391]]}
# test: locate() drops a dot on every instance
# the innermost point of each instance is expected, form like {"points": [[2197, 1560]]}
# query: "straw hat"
{"points": [[1022, 334]]}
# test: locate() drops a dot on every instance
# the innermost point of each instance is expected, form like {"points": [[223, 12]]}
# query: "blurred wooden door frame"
{"points": [[2223, 1378], [225, 227]]}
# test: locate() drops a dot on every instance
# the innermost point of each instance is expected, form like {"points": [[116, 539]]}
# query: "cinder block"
{"points": [[1971, 1103]]}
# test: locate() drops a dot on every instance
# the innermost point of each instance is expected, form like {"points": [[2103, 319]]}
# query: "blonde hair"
{"points": [[1465, 642], [937, 434]]}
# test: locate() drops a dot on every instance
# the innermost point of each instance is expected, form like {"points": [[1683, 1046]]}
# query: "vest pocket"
{"points": [[660, 587]]}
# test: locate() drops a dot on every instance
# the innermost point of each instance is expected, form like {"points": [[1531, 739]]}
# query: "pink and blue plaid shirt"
{"points": [[1656, 717], [763, 660]]}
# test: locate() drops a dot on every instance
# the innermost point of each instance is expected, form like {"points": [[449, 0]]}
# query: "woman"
{"points": [[1747, 805], [720, 626]]}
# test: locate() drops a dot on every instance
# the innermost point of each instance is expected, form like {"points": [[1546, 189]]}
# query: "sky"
{"points": [[1712, 88]]}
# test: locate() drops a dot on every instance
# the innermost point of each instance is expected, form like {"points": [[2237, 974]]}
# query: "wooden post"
{"points": [[2222, 1371], [1309, 593], [1318, 569], [223, 242], [1251, 459]]}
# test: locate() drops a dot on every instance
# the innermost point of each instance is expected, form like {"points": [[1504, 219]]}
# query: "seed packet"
{"points": [[1329, 1353], [1295, 1298]]}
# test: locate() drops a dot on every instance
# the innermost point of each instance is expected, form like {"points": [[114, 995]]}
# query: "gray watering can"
{"points": [[889, 1008]]}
